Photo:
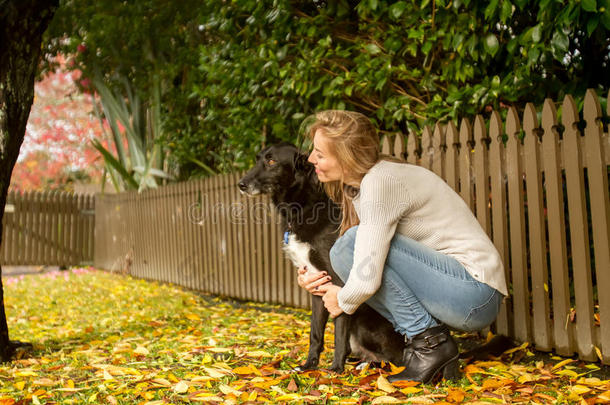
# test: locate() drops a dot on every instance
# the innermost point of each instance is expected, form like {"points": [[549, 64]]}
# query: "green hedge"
{"points": [[238, 73]]}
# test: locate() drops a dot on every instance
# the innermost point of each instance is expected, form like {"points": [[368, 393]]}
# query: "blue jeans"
{"points": [[421, 287]]}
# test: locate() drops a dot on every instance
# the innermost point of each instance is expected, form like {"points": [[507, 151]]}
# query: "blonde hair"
{"points": [[354, 142]]}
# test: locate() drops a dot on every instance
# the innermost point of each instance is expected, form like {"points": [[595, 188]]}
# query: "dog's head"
{"points": [[277, 168]]}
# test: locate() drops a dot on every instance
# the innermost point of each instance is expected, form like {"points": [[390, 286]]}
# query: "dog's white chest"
{"points": [[298, 252]]}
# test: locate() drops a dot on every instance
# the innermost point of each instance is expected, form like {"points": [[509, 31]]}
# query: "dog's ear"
{"points": [[300, 161]]}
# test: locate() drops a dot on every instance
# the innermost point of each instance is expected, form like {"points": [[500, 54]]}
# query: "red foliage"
{"points": [[57, 146]]}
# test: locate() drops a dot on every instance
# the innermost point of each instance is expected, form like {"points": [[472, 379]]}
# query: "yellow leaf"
{"points": [[562, 363], [26, 373], [526, 378], [162, 381], [592, 381], [599, 353], [604, 396], [107, 375], [252, 396], [410, 390], [288, 397], [384, 385], [396, 369], [192, 317], [181, 387], [219, 349], [385, 400], [259, 353], [141, 350], [226, 389], [201, 378], [568, 373], [515, 349], [44, 382], [214, 372], [19, 385], [579, 389], [206, 399], [244, 370]]}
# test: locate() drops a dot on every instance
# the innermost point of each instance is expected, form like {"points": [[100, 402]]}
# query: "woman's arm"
{"points": [[383, 202]]}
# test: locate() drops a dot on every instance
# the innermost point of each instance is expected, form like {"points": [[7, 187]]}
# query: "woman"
{"points": [[409, 246]]}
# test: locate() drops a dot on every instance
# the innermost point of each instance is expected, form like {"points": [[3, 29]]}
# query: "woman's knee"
{"points": [[483, 316]]}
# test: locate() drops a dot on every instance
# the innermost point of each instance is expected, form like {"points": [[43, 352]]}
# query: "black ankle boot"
{"points": [[427, 354]]}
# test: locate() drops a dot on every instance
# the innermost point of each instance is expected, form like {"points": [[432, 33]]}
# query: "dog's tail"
{"points": [[495, 347]]}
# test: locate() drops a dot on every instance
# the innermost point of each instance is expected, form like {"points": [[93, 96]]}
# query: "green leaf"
{"points": [[560, 42], [507, 11], [537, 33], [373, 49], [589, 5], [592, 24], [397, 9], [491, 8], [491, 44], [115, 164]]}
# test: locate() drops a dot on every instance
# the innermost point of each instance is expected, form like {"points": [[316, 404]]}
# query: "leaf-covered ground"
{"points": [[106, 338]]}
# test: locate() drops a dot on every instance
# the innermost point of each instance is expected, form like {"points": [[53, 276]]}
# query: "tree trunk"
{"points": [[22, 23]]}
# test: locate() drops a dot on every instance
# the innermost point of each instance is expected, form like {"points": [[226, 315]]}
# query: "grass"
{"points": [[106, 338]]}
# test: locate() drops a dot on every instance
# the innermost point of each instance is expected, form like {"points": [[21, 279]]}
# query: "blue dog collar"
{"points": [[286, 236]]}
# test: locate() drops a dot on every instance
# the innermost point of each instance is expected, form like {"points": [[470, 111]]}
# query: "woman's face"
{"points": [[327, 165]]}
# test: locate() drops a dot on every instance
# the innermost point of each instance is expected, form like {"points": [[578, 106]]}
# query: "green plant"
{"points": [[134, 129]]}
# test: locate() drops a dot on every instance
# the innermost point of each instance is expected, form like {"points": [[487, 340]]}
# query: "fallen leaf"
{"points": [[192, 317], [292, 386], [226, 389], [181, 387], [258, 353], [384, 385], [385, 400], [455, 395], [562, 363], [141, 350]]}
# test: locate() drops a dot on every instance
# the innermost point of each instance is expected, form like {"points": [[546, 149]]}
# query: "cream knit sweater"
{"points": [[416, 203]]}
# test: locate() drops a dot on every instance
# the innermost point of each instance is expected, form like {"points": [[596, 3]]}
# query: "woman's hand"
{"points": [[330, 299], [311, 282]]}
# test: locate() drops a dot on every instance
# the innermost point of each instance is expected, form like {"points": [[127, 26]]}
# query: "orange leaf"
{"points": [[7, 401], [292, 386], [471, 369], [455, 395], [405, 383], [243, 370]]}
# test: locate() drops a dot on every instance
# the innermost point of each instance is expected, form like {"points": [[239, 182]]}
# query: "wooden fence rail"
{"points": [[538, 185], [48, 228]]}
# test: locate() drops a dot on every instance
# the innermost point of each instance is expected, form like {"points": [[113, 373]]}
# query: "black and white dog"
{"points": [[311, 223]]}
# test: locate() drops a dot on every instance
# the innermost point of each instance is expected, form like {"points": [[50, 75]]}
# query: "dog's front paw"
{"points": [[303, 368], [336, 368], [310, 365]]}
